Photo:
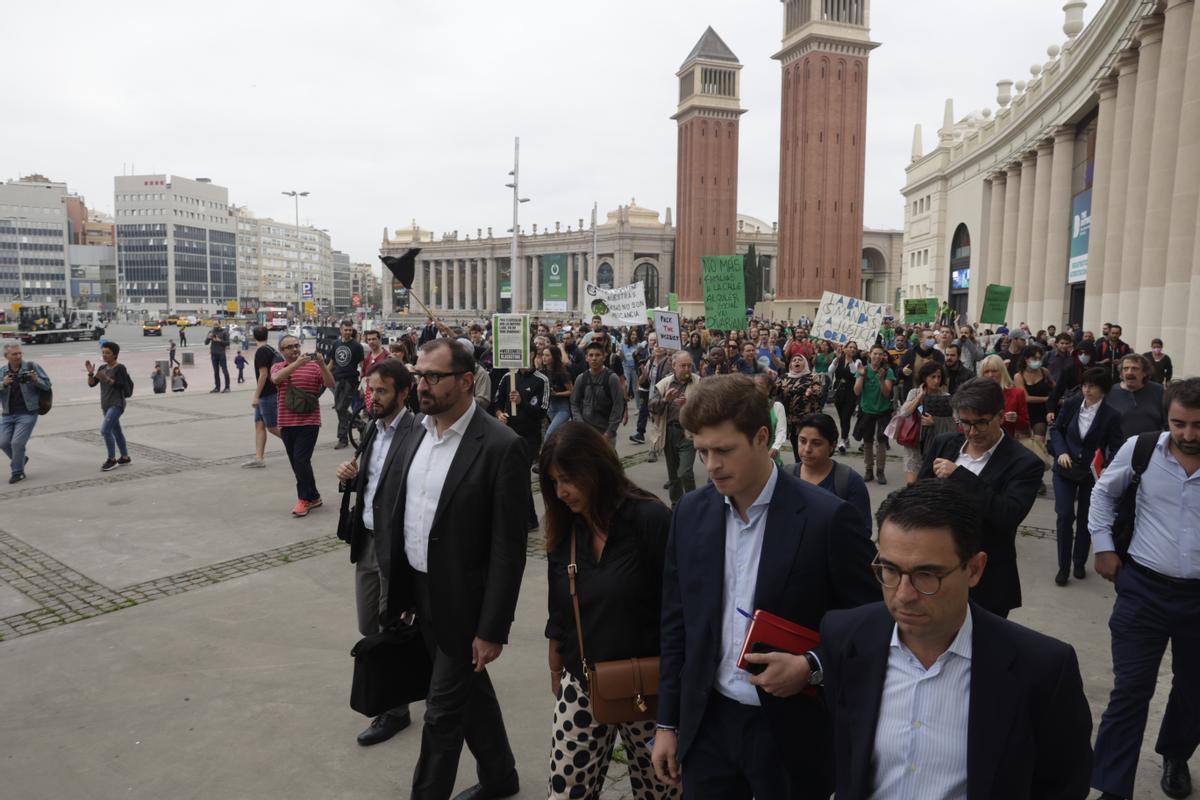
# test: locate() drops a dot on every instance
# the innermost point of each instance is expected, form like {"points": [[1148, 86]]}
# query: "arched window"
{"points": [[647, 273], [960, 268], [604, 275]]}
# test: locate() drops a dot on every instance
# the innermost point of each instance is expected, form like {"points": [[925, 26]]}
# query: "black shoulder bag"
{"points": [[1122, 529]]}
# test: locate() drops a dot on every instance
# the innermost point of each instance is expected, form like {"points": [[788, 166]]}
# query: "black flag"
{"points": [[403, 268]]}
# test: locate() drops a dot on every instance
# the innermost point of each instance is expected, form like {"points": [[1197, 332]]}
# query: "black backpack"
{"points": [[1122, 529], [841, 478], [601, 400]]}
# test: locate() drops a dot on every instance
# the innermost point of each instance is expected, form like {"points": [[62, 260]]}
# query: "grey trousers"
{"points": [[370, 598]]}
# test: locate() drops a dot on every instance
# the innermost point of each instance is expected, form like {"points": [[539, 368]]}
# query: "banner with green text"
{"points": [[554, 282], [724, 293], [923, 309]]}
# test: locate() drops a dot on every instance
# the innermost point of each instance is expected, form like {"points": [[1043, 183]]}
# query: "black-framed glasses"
{"points": [[289, 347], [432, 378], [925, 581], [975, 424]]}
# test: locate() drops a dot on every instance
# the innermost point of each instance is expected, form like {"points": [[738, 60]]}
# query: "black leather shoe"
{"points": [[1061, 577], [480, 792], [1176, 779], [383, 727], [1080, 572]]}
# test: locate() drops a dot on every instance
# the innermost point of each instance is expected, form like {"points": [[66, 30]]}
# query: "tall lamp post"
{"points": [[517, 286], [299, 279]]}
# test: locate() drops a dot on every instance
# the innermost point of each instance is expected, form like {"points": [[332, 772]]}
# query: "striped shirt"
{"points": [[921, 738], [307, 377]]}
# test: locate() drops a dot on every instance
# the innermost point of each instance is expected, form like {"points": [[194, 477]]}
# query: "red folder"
{"points": [[777, 634]]}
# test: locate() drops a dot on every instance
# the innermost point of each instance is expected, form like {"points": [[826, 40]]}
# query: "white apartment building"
{"points": [[274, 258], [175, 245], [33, 241]]}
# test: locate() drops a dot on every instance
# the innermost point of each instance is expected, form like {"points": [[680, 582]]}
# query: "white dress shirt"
{"points": [[423, 489], [1087, 415], [743, 551], [384, 434], [976, 465], [921, 738]]}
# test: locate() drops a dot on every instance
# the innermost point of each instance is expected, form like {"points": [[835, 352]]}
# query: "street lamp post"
{"points": [[517, 287], [299, 279]]}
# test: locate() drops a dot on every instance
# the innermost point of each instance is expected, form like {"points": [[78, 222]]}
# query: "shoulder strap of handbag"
{"points": [[572, 571], [367, 437]]}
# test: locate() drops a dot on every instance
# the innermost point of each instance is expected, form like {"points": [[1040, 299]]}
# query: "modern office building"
{"points": [[341, 282], [276, 258], [34, 235], [175, 245], [93, 275], [1080, 189], [365, 286]]}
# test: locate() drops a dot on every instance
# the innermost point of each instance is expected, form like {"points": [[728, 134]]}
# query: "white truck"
{"points": [[52, 324]]}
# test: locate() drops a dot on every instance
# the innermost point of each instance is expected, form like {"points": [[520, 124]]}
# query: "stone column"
{"points": [[1149, 34], [1018, 309], [1058, 239], [480, 297], [1028, 292], [469, 284], [492, 290], [584, 258], [536, 281], [1012, 202], [1114, 238], [417, 289], [1191, 354], [1164, 147], [443, 297], [572, 265], [1101, 183], [989, 270], [1177, 291]]}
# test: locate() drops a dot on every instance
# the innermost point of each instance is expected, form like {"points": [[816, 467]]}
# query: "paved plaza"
{"points": [[169, 631]]}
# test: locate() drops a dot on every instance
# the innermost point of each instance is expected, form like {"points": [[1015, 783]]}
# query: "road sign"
{"points": [[306, 290]]}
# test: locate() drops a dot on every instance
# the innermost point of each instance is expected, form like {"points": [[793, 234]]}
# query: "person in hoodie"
{"points": [[523, 405]]}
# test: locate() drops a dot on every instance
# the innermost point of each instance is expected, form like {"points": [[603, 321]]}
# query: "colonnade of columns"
{"points": [[470, 286], [1144, 255]]}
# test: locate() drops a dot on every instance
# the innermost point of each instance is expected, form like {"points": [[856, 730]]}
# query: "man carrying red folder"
{"points": [[755, 542]]}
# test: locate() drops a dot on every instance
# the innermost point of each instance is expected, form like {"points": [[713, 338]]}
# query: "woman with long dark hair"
{"points": [[560, 387], [844, 370], [619, 536]]}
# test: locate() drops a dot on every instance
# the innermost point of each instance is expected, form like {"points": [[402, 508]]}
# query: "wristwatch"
{"points": [[816, 676]]}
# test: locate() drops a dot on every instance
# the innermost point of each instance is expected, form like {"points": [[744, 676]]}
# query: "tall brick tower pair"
{"points": [[826, 44]]}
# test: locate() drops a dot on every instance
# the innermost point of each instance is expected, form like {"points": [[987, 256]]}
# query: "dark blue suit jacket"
{"points": [[1104, 435], [815, 557], [1029, 726]]}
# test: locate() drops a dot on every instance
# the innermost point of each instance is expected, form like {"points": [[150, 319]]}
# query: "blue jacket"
{"points": [[815, 557], [29, 390]]}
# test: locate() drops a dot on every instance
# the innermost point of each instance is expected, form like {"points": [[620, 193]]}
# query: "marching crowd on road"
{"points": [[769, 633]]}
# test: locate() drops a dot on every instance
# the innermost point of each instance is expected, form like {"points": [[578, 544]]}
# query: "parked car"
{"points": [[152, 327]]}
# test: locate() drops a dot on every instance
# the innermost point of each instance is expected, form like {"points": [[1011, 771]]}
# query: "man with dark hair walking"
{"points": [[597, 397], [264, 402], [217, 341]]}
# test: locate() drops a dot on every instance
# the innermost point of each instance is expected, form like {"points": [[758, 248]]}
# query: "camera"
{"points": [[27, 376]]}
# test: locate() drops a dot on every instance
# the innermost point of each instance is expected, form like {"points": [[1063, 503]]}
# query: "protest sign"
{"points": [[842, 319], [625, 305], [995, 304], [920, 310], [510, 341], [724, 293], [666, 325], [673, 301]]}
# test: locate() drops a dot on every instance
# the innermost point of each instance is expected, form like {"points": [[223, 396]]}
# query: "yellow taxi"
{"points": [[152, 328]]}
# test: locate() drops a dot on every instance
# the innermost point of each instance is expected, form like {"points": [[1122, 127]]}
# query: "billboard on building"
{"points": [[554, 282], [1081, 228]]}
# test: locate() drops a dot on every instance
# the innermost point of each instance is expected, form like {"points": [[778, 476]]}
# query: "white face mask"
{"points": [[1084, 359]]}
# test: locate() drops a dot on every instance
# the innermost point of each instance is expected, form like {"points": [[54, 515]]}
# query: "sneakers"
{"points": [[302, 507], [225, 390], [652, 457], [215, 391], [341, 445], [17, 477], [254, 463], [638, 438], [842, 447], [124, 461], [316, 503], [108, 465]]}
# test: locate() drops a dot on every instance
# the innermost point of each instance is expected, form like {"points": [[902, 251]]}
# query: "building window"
{"points": [[604, 275], [647, 273]]}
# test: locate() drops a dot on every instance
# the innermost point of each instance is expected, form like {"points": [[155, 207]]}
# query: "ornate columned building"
{"points": [[1079, 189], [707, 174], [822, 156]]}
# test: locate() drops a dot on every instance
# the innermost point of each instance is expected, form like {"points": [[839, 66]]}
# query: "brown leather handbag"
{"points": [[620, 691]]}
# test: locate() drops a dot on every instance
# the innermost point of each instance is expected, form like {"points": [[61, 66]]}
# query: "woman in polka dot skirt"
{"points": [[620, 534]]}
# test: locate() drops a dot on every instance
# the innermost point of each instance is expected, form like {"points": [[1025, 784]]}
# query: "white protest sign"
{"points": [[625, 305], [666, 325], [842, 319], [510, 341]]}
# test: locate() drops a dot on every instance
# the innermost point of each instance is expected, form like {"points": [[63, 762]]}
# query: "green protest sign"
{"points": [[672, 302], [995, 304], [554, 282], [921, 310], [724, 293]]}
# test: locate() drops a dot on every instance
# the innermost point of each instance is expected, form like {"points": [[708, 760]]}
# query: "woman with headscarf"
{"points": [[799, 390]]}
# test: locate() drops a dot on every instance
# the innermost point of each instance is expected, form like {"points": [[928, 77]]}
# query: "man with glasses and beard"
{"points": [[454, 553], [375, 477], [1000, 476]]}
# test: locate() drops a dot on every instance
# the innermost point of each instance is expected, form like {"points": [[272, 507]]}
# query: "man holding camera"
{"points": [[20, 382]]}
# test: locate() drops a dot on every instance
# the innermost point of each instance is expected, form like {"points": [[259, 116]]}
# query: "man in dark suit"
{"points": [[934, 697], [1000, 475], [755, 538], [375, 479], [455, 552]]}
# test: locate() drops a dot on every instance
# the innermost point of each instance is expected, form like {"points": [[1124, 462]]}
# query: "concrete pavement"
{"points": [[170, 631]]}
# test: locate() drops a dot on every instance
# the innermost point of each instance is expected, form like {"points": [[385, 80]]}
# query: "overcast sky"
{"points": [[390, 111]]}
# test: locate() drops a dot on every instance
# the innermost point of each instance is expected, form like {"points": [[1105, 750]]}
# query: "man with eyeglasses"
{"points": [[1000, 476], [932, 696]]}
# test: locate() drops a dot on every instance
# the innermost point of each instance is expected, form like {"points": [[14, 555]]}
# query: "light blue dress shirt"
{"points": [[921, 738], [1166, 532], [743, 551]]}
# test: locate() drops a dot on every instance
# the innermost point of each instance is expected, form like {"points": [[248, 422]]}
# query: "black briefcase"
{"points": [[391, 668]]}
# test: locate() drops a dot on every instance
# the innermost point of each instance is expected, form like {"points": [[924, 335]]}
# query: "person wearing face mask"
{"points": [[913, 360], [1035, 379], [1066, 388], [1160, 363]]}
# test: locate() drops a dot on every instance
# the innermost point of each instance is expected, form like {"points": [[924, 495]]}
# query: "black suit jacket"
{"points": [[1029, 726], [1104, 434], [386, 490], [1004, 492], [477, 541], [815, 557]]}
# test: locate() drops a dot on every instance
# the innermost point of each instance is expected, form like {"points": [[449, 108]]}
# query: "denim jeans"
{"points": [[110, 429], [14, 433], [559, 413], [220, 365]]}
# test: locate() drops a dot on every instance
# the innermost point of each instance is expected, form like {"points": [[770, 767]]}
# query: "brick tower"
{"points": [[706, 199], [826, 44]]}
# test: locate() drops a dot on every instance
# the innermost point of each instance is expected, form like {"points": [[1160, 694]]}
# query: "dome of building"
{"points": [[637, 216], [749, 224]]}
